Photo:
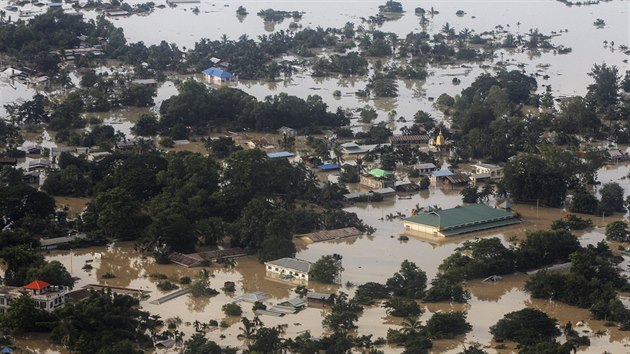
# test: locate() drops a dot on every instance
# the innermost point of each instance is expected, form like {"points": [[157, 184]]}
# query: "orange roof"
{"points": [[36, 285]]}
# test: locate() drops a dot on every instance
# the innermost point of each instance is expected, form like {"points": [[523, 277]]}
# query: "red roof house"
{"points": [[36, 285]]}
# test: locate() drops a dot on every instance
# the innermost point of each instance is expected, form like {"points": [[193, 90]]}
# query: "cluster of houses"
{"points": [[38, 160], [25, 76]]}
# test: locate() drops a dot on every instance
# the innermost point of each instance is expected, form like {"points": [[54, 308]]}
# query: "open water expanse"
{"points": [[376, 257]]}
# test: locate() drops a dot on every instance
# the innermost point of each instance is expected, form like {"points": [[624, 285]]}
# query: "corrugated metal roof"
{"points": [[458, 178], [460, 217], [280, 154], [423, 166], [442, 173], [379, 173], [216, 72], [329, 167]]}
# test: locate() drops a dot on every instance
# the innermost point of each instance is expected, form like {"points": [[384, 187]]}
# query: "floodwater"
{"points": [[375, 257], [567, 73], [366, 258]]}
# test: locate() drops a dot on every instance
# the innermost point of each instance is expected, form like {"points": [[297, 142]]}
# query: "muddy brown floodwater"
{"points": [[365, 258]]}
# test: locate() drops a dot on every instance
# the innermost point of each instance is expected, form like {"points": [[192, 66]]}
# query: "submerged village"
{"points": [[190, 176]]}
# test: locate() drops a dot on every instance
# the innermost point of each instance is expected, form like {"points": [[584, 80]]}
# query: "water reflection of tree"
{"points": [[197, 304], [272, 85], [270, 26], [490, 291], [119, 261], [386, 104]]}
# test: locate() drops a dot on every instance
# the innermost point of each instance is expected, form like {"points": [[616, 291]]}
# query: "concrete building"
{"points": [[493, 171], [458, 220], [378, 179], [47, 297], [426, 168], [289, 269]]}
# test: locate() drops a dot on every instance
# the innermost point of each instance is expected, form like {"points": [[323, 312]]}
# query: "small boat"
{"points": [[404, 197]]}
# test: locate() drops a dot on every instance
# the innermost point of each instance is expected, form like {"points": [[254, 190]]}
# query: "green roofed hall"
{"points": [[378, 173], [459, 220]]}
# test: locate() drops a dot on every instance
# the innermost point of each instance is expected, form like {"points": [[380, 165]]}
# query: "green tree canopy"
{"points": [[526, 327], [409, 282], [327, 269]]}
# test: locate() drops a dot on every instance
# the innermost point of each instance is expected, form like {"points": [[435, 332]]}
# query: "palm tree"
{"points": [[448, 30], [338, 153], [465, 34], [412, 326], [248, 329]]}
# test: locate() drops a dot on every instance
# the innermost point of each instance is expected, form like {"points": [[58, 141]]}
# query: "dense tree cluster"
{"points": [[545, 178], [199, 108], [488, 256], [28, 214], [592, 282], [176, 201]]}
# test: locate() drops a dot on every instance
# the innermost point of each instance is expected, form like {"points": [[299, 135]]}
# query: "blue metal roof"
{"points": [[214, 71], [329, 167], [442, 173], [276, 155]]}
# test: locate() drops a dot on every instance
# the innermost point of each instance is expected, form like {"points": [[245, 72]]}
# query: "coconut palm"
{"points": [[412, 326]]}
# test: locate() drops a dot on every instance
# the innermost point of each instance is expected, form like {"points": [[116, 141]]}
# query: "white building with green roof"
{"points": [[378, 179], [459, 220]]}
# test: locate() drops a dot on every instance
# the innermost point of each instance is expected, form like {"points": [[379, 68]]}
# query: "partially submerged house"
{"points": [[289, 268], [378, 179], [39, 164], [289, 306], [314, 299], [493, 171], [219, 76], [458, 220], [437, 177], [367, 196], [616, 155], [352, 148], [426, 168], [456, 180], [256, 296], [151, 83]]}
